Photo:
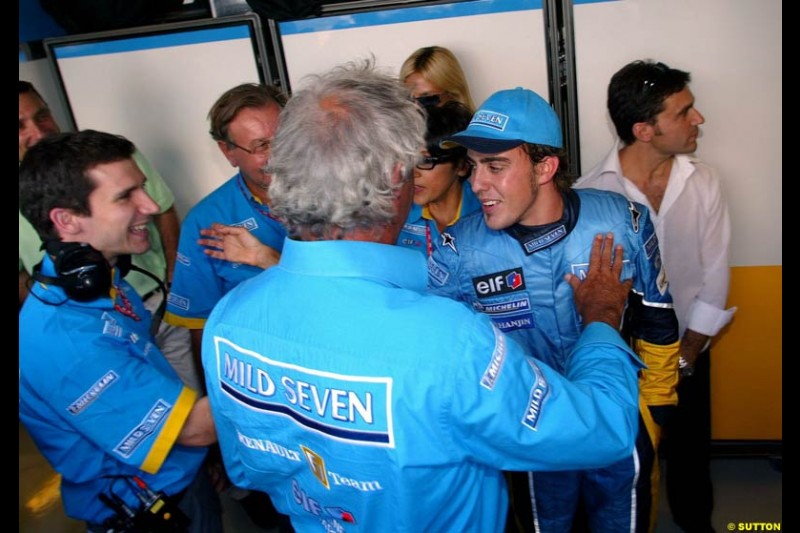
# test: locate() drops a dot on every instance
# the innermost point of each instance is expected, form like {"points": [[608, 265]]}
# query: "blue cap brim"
{"points": [[480, 144]]}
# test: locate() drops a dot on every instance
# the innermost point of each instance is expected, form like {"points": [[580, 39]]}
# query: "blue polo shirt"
{"points": [[99, 398], [199, 281]]}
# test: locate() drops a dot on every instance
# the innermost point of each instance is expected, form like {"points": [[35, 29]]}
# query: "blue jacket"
{"points": [[516, 276], [361, 403]]}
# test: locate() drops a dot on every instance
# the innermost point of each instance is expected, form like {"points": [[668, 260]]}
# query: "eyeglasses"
{"points": [[427, 163], [660, 70], [260, 147], [429, 100]]}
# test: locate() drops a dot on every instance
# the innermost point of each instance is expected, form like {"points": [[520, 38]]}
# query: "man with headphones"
{"points": [[36, 122], [96, 394]]}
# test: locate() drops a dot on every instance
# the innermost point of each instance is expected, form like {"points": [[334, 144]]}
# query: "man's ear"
{"points": [[546, 169], [644, 131], [463, 168], [66, 221], [227, 151]]}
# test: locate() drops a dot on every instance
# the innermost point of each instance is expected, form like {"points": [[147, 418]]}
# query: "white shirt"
{"points": [[693, 229]]}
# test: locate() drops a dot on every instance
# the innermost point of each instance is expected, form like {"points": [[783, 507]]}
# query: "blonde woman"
{"points": [[434, 76]]}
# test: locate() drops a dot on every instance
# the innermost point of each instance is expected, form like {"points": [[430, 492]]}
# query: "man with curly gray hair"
{"points": [[357, 400]]}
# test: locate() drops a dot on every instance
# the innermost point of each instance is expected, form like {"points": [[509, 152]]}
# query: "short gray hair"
{"points": [[338, 144]]}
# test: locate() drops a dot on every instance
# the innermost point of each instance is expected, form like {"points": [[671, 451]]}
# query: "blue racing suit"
{"points": [[360, 402], [516, 277], [420, 231]]}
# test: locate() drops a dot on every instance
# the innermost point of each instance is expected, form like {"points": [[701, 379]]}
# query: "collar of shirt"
{"points": [[386, 263]]}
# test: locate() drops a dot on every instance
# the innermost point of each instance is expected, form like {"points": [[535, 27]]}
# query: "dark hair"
{"points": [[637, 92], [27, 87], [234, 100], [53, 174], [536, 152], [442, 122]]}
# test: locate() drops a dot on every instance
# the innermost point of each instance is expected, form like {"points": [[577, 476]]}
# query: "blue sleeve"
{"points": [[116, 398], [196, 286], [516, 413]]}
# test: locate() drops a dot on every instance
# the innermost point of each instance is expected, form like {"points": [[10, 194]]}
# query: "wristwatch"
{"points": [[684, 368]]}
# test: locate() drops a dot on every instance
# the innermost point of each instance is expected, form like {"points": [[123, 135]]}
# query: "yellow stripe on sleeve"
{"points": [[169, 432]]}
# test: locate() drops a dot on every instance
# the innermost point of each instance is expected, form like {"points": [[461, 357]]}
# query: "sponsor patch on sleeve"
{"points": [[495, 366], [144, 429], [176, 300], [250, 224], [94, 392], [537, 398]]}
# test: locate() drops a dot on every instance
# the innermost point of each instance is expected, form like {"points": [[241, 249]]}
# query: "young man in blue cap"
{"points": [[510, 262]]}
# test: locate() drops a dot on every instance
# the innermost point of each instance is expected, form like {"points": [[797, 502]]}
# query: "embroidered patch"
{"points": [[436, 273], [94, 392], [146, 427], [489, 119], [345, 407], [492, 371], [178, 301], [536, 399]]}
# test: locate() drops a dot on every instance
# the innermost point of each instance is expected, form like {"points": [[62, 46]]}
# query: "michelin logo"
{"points": [[511, 306], [94, 392], [344, 407], [492, 371]]}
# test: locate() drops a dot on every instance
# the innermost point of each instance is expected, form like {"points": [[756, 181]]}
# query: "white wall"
{"points": [[733, 50], [497, 50]]}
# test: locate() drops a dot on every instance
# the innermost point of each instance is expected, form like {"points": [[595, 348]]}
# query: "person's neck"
{"points": [[648, 169], [643, 165], [548, 206], [256, 190], [379, 235], [445, 208]]}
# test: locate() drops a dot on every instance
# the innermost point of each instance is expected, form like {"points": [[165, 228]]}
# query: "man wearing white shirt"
{"points": [[653, 112]]}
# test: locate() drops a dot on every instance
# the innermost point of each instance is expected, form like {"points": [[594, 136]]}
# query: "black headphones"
{"points": [[81, 271]]}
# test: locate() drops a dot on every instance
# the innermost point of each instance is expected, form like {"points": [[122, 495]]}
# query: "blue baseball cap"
{"points": [[506, 120]]}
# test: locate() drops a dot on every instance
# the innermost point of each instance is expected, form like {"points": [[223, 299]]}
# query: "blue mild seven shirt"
{"points": [[345, 391], [99, 398]]}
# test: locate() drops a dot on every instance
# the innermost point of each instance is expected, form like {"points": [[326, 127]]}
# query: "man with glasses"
{"points": [[653, 112], [510, 262], [243, 121]]}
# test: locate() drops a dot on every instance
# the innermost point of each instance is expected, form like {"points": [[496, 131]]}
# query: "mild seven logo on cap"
{"points": [[489, 119]]}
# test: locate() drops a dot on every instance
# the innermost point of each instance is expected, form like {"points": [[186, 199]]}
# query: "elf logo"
{"points": [[499, 282]]}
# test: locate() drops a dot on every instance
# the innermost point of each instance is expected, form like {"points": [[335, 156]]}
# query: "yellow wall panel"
{"points": [[746, 365]]}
